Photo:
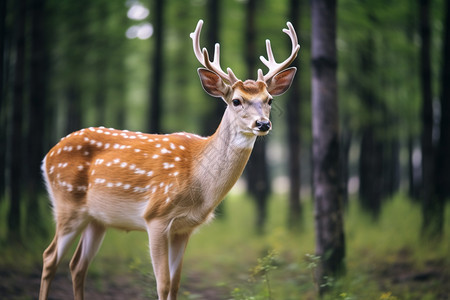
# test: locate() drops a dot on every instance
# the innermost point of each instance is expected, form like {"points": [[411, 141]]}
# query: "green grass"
{"points": [[382, 256]]}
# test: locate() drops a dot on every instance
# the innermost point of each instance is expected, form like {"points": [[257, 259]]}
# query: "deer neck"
{"points": [[223, 160]]}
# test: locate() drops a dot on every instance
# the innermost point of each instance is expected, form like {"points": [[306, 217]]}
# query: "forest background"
{"points": [[66, 65]]}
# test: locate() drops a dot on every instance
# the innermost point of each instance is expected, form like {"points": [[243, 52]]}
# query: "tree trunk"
{"points": [[157, 80], [257, 171], [346, 143], [38, 88], [431, 210], [3, 102], [330, 245], [371, 171], [443, 150], [293, 131], [16, 163], [212, 36], [372, 146]]}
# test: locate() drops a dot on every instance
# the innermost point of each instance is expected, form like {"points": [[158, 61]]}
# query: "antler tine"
{"points": [[273, 66], [203, 56]]}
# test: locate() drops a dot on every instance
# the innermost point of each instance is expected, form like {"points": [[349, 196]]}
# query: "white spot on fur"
{"points": [[181, 147], [139, 171], [155, 156], [168, 165], [82, 188]]}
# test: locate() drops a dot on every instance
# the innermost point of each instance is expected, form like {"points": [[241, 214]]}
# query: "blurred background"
{"points": [[129, 64]]}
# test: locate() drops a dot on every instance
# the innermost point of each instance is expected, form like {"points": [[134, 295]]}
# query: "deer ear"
{"points": [[281, 82], [212, 83]]}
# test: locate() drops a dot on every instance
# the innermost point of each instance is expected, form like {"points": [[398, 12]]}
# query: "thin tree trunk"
{"points": [[3, 102], [212, 37], [371, 171], [38, 76], [157, 78], [330, 245], [431, 211], [442, 161], [293, 131], [257, 171], [16, 174]]}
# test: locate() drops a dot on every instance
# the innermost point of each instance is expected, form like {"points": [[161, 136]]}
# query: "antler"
{"points": [[273, 66], [203, 56]]}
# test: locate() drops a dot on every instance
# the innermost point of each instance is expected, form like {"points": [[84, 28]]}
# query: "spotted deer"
{"points": [[166, 185]]}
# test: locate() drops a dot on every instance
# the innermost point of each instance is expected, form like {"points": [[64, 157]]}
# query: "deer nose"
{"points": [[263, 125]]}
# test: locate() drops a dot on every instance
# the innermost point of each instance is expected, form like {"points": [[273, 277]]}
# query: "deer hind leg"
{"points": [[159, 247], [177, 247], [88, 247], [53, 255]]}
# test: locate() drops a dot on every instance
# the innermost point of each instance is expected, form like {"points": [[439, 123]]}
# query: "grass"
{"points": [[386, 259]]}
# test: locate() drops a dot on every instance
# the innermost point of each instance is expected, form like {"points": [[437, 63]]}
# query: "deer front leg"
{"points": [[177, 247], [159, 248]]}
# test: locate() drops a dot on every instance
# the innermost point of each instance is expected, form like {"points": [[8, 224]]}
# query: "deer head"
{"points": [[250, 101]]}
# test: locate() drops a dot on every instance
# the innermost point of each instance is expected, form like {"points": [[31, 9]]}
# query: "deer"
{"points": [[166, 185]]}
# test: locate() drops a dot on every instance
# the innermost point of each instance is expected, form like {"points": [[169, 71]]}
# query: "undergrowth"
{"points": [[228, 258]]}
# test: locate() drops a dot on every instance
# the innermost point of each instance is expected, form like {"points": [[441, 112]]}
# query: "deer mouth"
{"points": [[259, 132]]}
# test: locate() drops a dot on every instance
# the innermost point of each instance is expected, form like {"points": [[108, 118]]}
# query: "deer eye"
{"points": [[270, 101], [236, 102]]}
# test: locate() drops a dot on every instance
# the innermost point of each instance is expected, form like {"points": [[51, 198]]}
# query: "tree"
{"points": [[293, 132], [16, 140], [212, 36], [37, 104], [442, 165], [157, 69], [330, 245], [257, 171], [3, 106], [432, 212]]}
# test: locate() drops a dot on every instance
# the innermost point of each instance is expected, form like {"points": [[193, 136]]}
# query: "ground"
{"points": [[400, 279]]}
